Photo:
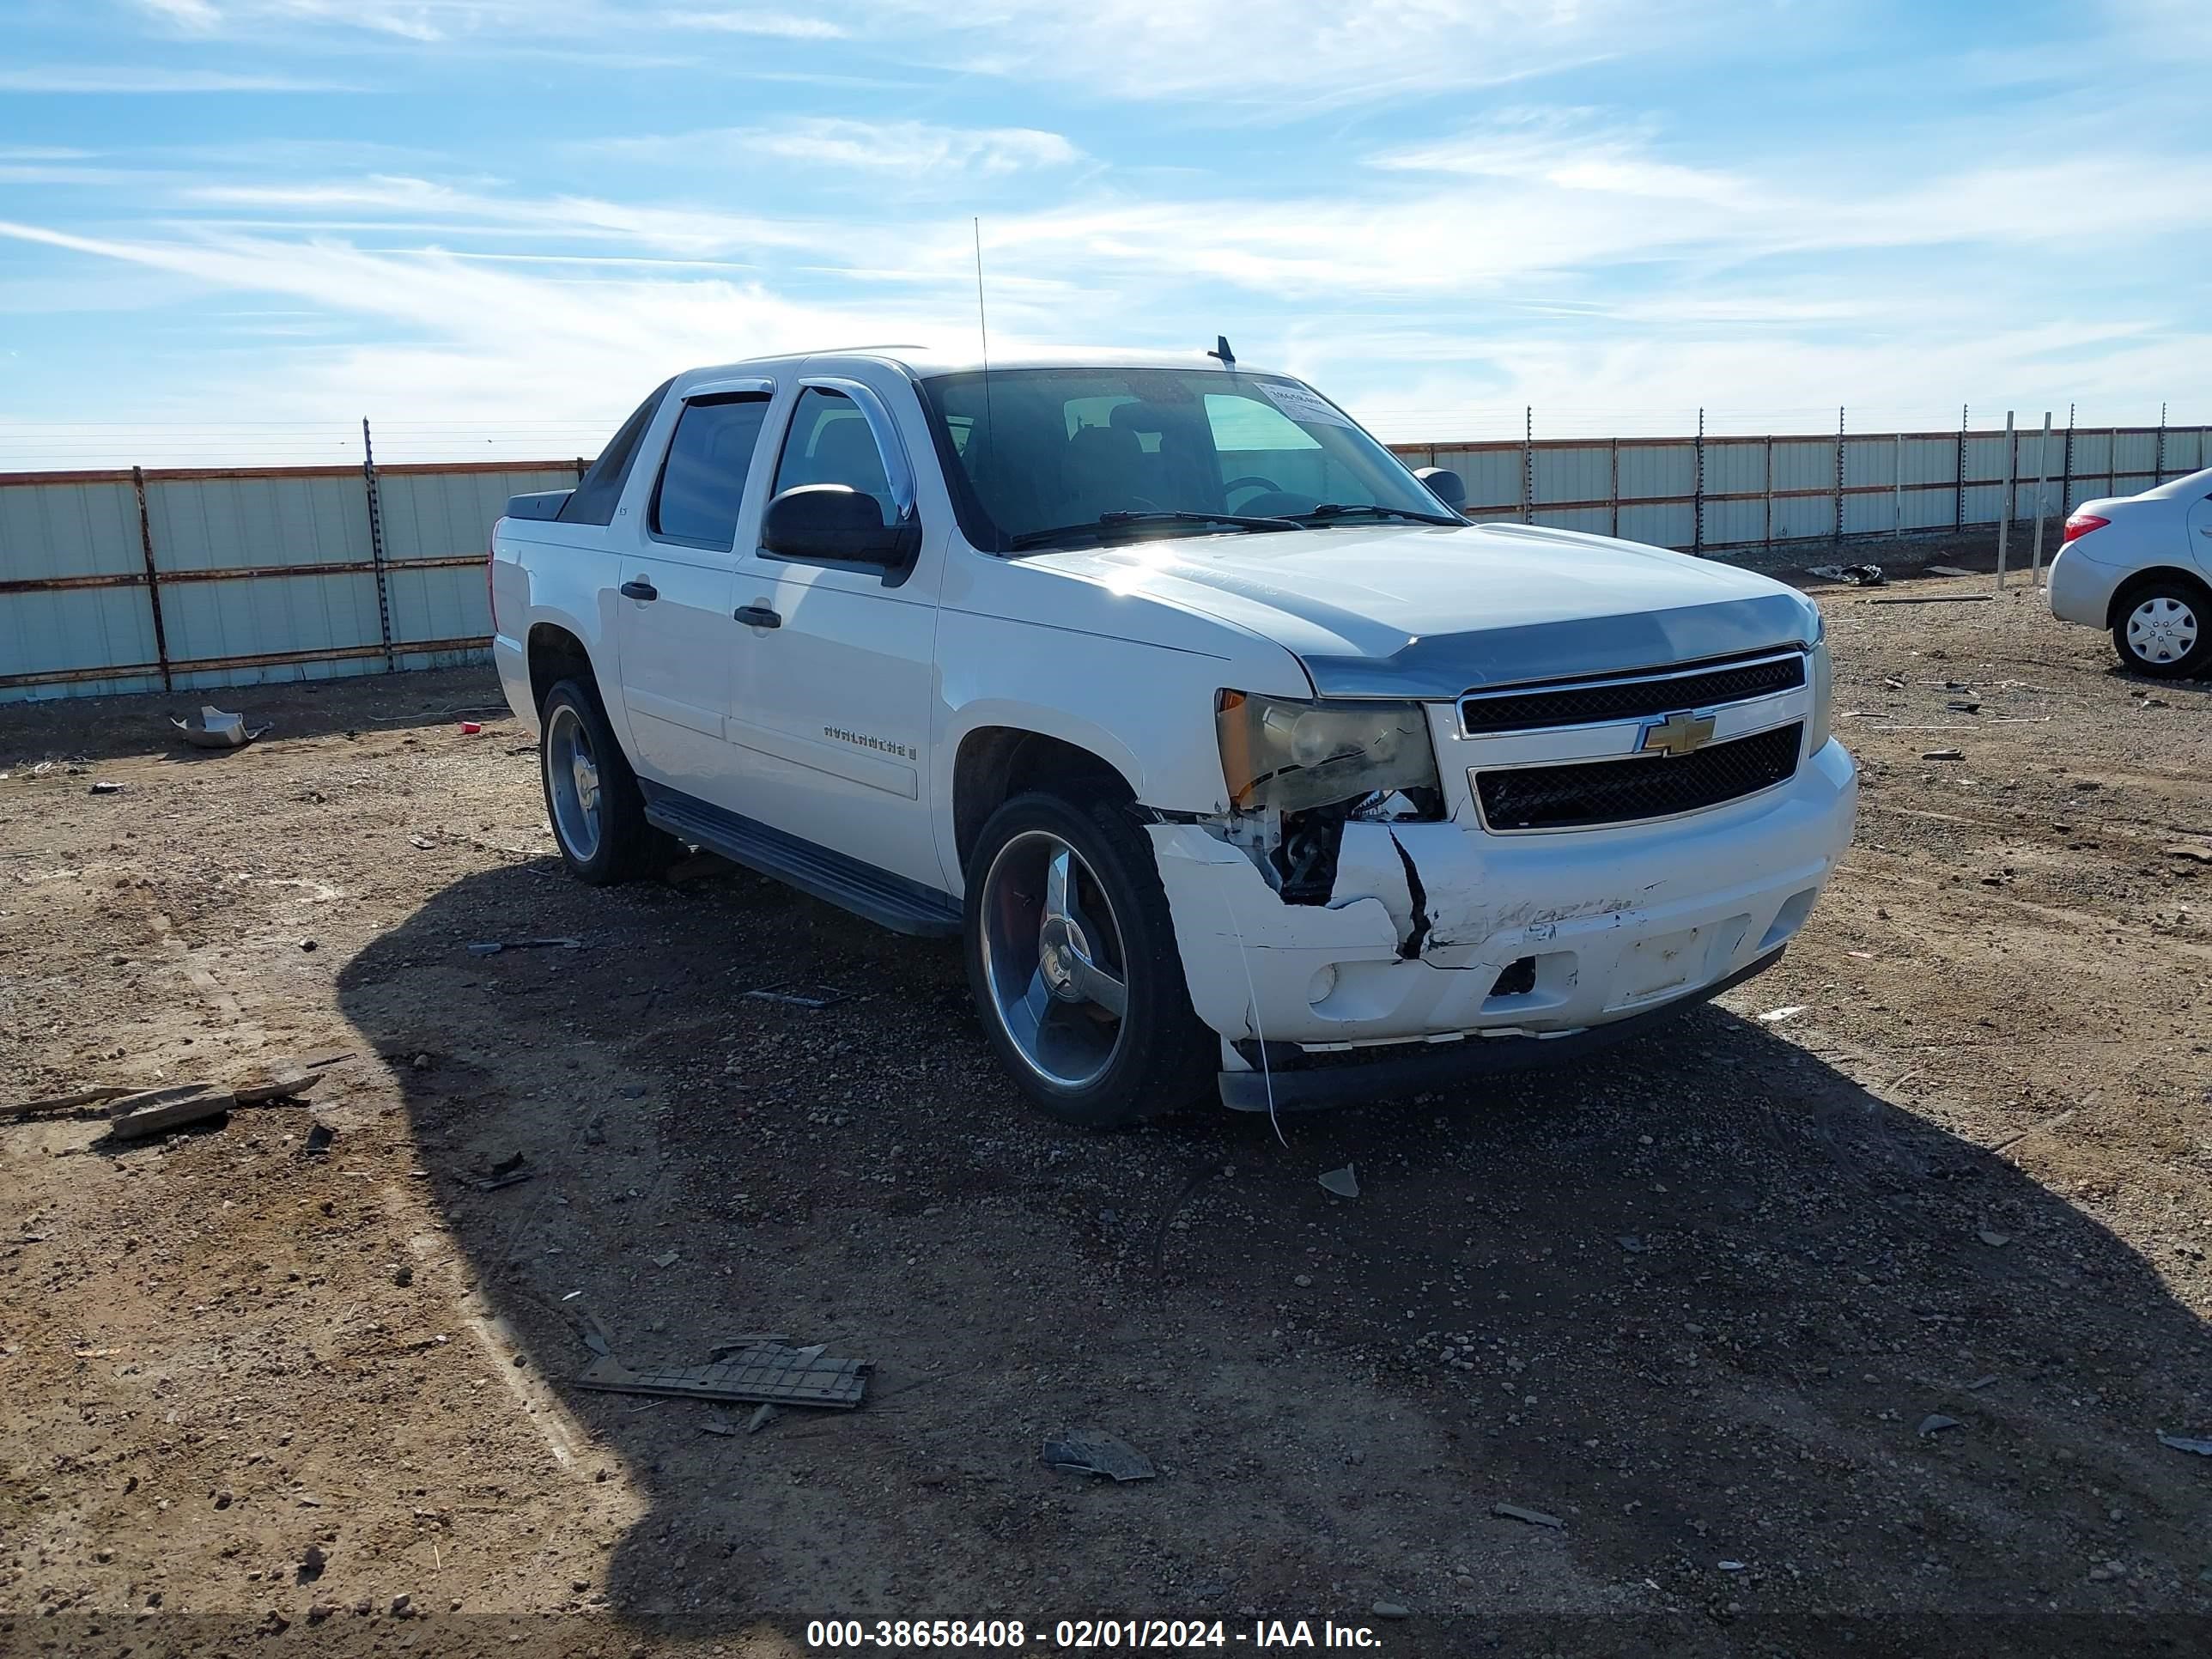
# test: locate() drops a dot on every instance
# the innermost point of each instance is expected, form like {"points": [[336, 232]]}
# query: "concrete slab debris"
{"points": [[770, 1374]]}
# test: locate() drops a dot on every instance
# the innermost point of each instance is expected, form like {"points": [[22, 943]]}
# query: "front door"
{"points": [[677, 637], [833, 692]]}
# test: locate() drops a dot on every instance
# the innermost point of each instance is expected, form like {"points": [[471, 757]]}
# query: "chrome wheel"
{"points": [[2162, 629], [1052, 959], [572, 782]]}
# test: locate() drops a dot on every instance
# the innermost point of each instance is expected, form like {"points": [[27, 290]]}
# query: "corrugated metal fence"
{"points": [[1710, 494], [148, 580], [143, 580]]}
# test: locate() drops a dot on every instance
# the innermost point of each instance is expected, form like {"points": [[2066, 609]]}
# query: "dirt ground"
{"points": [[1856, 1322]]}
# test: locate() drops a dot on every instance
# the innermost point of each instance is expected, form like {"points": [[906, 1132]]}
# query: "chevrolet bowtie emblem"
{"points": [[1680, 733]]}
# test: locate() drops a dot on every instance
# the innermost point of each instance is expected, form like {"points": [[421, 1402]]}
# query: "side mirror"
{"points": [[1445, 485], [835, 523]]}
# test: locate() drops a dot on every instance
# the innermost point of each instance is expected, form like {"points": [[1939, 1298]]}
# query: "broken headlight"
{"points": [[1293, 757]]}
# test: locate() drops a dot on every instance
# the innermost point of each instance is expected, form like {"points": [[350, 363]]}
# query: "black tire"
{"points": [[2185, 621], [1163, 1056], [625, 847]]}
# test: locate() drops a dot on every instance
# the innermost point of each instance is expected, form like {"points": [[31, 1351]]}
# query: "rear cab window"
{"points": [[703, 482]]}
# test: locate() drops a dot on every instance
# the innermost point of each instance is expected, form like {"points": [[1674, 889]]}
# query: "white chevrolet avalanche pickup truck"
{"points": [[1237, 759]]}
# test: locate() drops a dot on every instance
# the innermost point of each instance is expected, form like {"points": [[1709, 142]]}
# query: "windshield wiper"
{"points": [[1345, 509], [1106, 523]]}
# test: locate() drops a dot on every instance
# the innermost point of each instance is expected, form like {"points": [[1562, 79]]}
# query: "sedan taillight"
{"points": [[2082, 524]]}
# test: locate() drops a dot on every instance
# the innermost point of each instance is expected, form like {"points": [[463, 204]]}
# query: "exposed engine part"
{"points": [[1305, 860]]}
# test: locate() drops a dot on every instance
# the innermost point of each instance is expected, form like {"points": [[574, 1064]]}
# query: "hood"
{"points": [[1429, 612]]}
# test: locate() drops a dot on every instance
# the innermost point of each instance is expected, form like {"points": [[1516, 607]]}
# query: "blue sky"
{"points": [[229, 228]]}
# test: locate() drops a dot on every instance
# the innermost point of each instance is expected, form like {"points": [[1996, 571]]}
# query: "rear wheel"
{"points": [[591, 797], [1072, 961], [2164, 628]]}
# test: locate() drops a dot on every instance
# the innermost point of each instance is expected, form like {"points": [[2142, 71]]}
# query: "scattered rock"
{"points": [[1632, 1243], [1303, 1281], [403, 1606], [105, 787], [1935, 1423], [667, 1259], [760, 1420], [403, 1275], [1392, 1610], [1995, 1241], [321, 1611], [1942, 754]]}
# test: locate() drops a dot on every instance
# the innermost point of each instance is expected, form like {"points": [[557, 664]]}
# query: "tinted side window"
{"points": [[830, 442], [703, 479], [595, 496]]}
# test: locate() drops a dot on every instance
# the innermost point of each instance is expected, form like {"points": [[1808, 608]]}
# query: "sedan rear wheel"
{"points": [[2161, 630]]}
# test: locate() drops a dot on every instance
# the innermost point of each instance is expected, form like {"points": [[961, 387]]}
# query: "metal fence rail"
{"points": [[130, 580]]}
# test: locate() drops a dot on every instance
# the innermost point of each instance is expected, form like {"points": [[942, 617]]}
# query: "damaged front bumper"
{"points": [[1440, 933]]}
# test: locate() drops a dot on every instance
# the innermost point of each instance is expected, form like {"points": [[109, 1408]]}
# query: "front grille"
{"points": [[1587, 793], [1629, 699]]}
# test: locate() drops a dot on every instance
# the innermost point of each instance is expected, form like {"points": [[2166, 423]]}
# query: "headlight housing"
{"points": [[1824, 692], [1293, 755]]}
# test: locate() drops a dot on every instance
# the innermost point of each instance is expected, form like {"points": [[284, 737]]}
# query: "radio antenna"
{"points": [[983, 329]]}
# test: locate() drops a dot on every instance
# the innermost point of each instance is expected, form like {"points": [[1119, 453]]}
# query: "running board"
{"points": [[888, 899]]}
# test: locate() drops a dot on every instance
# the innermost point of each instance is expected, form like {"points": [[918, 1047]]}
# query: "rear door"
{"points": [[674, 626], [831, 702], [2200, 531]]}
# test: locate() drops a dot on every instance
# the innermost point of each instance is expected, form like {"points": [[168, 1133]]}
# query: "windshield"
{"points": [[1056, 457]]}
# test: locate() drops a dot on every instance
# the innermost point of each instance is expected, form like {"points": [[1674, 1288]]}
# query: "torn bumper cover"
{"points": [[1442, 934]]}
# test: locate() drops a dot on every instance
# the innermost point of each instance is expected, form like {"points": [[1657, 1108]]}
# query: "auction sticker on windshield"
{"points": [[1303, 402]]}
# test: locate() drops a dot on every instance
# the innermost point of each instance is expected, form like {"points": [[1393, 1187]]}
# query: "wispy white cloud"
{"points": [[194, 16], [769, 25], [914, 149], [131, 78]]}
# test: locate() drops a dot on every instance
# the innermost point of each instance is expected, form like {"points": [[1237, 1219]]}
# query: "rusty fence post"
{"points": [[1839, 473], [376, 547], [1896, 490], [1613, 488], [1959, 476], [153, 578], [1528, 464], [1698, 492], [1766, 527]]}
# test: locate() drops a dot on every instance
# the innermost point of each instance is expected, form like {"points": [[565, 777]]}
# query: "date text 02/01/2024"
{"points": [[1087, 1634]]}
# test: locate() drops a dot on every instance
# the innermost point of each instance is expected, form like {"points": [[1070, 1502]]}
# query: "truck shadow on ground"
{"points": [[1704, 1301]]}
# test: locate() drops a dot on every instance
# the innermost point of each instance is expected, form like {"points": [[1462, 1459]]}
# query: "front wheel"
{"points": [[2161, 631], [1072, 961]]}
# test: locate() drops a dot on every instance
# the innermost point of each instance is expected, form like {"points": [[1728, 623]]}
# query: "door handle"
{"points": [[758, 616], [640, 589]]}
